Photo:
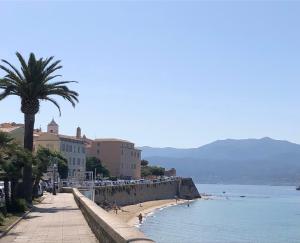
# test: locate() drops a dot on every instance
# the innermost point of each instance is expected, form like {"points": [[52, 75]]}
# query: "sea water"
{"points": [[235, 213]]}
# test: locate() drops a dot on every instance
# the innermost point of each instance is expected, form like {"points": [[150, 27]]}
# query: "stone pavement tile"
{"points": [[87, 239], [56, 220]]}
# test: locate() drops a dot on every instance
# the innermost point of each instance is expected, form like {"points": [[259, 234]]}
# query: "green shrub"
{"points": [[19, 206], [2, 218], [3, 210]]}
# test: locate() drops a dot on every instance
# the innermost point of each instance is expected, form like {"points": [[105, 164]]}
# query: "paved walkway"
{"points": [[56, 220]]}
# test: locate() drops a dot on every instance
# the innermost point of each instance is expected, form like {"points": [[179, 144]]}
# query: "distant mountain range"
{"points": [[244, 161]]}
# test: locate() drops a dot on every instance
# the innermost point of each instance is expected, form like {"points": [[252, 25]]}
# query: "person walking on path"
{"points": [[140, 218]]}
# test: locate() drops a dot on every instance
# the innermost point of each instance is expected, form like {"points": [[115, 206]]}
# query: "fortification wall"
{"points": [[137, 193], [187, 189]]}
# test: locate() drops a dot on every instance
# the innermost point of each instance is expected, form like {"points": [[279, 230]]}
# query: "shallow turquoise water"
{"points": [[266, 214]]}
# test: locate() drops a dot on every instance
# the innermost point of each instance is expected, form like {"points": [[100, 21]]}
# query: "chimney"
{"points": [[78, 132]]}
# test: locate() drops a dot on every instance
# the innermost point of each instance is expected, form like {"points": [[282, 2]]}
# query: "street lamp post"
{"points": [[54, 168]]}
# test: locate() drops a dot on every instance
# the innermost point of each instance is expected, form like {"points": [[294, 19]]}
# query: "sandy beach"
{"points": [[130, 213]]}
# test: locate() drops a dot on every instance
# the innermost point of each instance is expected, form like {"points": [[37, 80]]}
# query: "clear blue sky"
{"points": [[178, 74]]}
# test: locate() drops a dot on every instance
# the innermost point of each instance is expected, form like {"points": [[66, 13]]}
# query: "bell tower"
{"points": [[52, 127]]}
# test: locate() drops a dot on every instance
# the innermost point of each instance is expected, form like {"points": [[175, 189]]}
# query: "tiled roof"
{"points": [[111, 140], [9, 127], [69, 137]]}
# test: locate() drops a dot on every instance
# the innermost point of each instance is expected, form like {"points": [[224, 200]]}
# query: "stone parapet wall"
{"points": [[107, 228]]}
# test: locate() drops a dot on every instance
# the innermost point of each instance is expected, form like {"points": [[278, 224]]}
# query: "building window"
{"points": [[78, 161], [98, 144], [78, 149], [74, 161], [98, 152], [83, 150]]}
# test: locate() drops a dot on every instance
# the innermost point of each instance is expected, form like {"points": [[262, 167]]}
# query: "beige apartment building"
{"points": [[71, 147], [120, 157]]}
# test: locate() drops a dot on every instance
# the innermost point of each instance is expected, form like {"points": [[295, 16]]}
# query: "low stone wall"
{"points": [[137, 193], [107, 228], [66, 190]]}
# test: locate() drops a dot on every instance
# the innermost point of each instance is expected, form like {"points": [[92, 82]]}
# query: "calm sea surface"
{"points": [[265, 214]]}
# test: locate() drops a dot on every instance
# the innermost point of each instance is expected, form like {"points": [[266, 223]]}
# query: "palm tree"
{"points": [[33, 83]]}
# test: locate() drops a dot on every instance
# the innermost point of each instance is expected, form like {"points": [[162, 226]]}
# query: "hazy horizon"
{"points": [[164, 74]]}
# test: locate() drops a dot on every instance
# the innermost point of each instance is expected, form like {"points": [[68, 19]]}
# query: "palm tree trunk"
{"points": [[28, 144]]}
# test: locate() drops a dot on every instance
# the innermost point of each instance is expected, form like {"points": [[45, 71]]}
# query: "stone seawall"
{"points": [[137, 193], [187, 189], [107, 228]]}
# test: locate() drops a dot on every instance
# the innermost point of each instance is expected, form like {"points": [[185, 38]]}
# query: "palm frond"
{"points": [[22, 61], [11, 74], [54, 102], [14, 68], [34, 81], [8, 91]]}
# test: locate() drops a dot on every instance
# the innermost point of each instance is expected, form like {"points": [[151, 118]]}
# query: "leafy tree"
{"points": [[33, 83], [12, 160], [62, 165], [157, 171], [13, 166], [42, 162], [93, 163], [145, 171], [5, 141], [5, 147], [144, 162]]}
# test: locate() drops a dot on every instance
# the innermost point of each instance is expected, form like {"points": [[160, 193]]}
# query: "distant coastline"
{"points": [[262, 161]]}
